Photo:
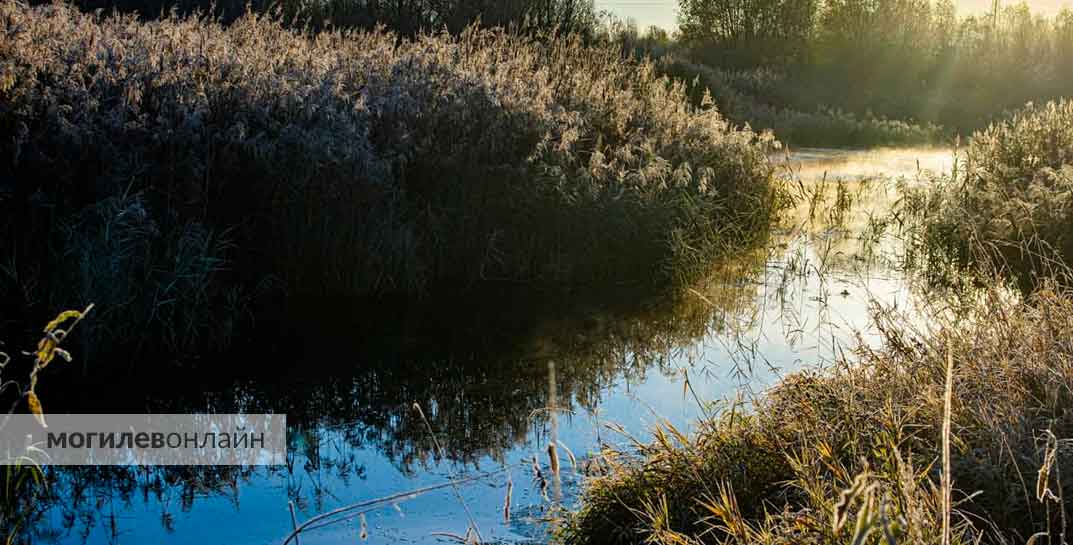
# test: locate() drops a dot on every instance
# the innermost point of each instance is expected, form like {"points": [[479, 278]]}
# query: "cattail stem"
{"points": [[553, 456]]}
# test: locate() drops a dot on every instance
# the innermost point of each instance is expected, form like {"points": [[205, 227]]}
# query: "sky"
{"points": [[663, 13]]}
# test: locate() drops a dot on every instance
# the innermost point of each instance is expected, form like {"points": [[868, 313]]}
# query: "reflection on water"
{"points": [[498, 387]]}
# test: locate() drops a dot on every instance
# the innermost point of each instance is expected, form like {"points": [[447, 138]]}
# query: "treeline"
{"points": [[902, 59], [405, 17]]}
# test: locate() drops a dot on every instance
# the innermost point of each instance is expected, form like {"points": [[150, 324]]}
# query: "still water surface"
{"points": [[496, 400]]}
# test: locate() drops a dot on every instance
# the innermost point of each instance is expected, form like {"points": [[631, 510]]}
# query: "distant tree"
{"points": [[1063, 44], [747, 32], [565, 15], [655, 41], [874, 54]]}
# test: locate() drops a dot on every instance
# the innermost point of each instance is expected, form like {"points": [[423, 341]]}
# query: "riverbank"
{"points": [[483, 371], [174, 172], [950, 432], [859, 449]]}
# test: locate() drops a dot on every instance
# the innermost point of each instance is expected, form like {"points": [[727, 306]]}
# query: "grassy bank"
{"points": [[174, 171], [1009, 203], [858, 450]]}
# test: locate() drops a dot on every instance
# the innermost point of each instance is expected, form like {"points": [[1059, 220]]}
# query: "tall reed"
{"points": [[175, 170], [1008, 204], [880, 444]]}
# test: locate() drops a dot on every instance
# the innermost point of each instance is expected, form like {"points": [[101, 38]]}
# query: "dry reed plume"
{"points": [[947, 422]]}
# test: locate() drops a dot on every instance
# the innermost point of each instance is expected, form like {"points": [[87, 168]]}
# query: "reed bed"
{"points": [[1007, 205], [954, 432], [175, 171]]}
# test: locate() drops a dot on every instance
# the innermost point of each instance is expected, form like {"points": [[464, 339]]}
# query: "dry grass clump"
{"points": [[1011, 194], [180, 163], [854, 454]]}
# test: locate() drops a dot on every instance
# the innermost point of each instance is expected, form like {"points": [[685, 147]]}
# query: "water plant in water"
{"points": [[23, 478]]}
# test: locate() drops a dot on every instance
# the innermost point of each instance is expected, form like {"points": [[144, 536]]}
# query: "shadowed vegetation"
{"points": [[406, 17], [172, 171], [487, 397]]}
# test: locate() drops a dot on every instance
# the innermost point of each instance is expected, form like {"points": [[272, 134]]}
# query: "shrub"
{"points": [[182, 161]]}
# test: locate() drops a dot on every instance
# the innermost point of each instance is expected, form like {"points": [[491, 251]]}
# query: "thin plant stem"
{"points": [[454, 485]]}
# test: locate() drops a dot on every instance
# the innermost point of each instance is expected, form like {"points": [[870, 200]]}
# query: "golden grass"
{"points": [[930, 439], [23, 479], [1007, 204]]}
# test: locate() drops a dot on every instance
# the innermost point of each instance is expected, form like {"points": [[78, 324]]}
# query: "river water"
{"points": [[496, 399]]}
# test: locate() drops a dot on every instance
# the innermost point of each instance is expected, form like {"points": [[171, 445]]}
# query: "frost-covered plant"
{"points": [[22, 482], [1011, 196], [358, 163]]}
